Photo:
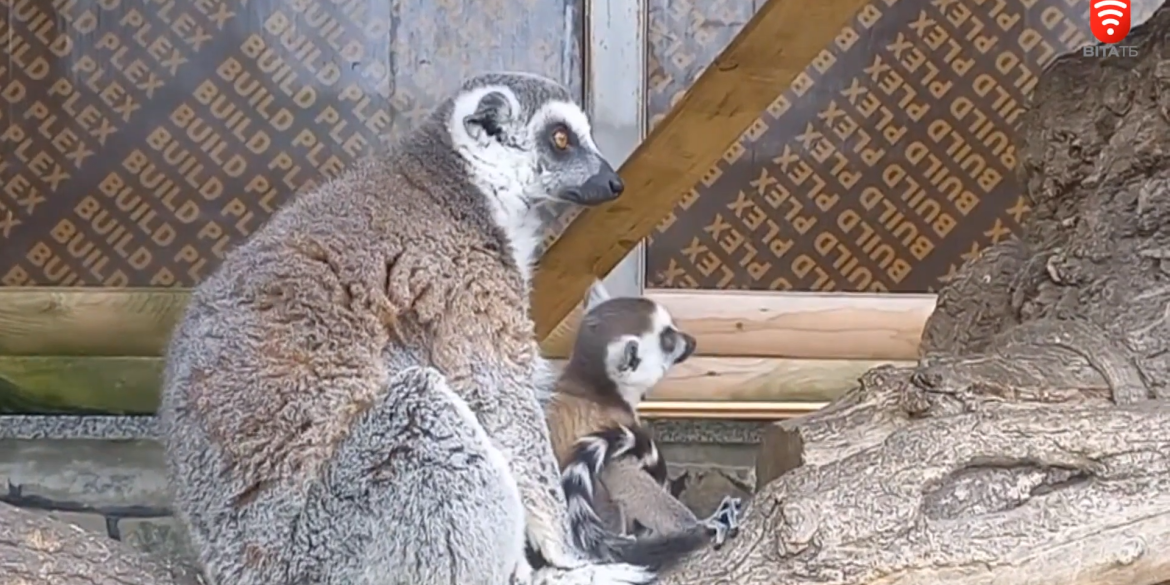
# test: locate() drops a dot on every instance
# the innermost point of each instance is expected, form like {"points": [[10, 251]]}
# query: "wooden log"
{"points": [[1002, 495], [774, 47], [38, 550], [1031, 443], [849, 326], [704, 387]]}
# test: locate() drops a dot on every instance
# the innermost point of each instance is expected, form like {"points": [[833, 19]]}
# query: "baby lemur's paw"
{"points": [[724, 523], [731, 510]]}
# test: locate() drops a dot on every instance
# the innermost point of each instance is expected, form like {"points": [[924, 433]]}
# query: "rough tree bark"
{"points": [[37, 550], [1031, 444]]}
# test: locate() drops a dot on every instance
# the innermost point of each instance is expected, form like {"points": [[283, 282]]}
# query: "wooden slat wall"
{"points": [[760, 355]]}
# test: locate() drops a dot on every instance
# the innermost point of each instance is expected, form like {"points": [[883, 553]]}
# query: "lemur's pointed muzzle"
{"points": [[605, 185], [689, 346]]}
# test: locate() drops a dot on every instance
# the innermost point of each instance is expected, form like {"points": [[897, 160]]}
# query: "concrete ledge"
{"points": [[113, 487], [123, 478]]}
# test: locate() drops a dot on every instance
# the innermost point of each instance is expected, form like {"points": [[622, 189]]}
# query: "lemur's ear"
{"points": [[597, 294], [491, 114], [630, 360]]}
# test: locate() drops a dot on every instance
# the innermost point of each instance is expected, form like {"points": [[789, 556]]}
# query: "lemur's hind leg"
{"points": [[429, 500], [724, 522]]}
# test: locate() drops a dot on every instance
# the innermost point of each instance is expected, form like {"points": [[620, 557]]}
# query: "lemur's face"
{"points": [[569, 166], [530, 142], [641, 341], [638, 362]]}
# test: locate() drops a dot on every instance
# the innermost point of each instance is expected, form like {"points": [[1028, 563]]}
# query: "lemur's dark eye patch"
{"points": [[667, 340]]}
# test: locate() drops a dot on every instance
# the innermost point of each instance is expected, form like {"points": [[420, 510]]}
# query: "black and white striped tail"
{"points": [[591, 454]]}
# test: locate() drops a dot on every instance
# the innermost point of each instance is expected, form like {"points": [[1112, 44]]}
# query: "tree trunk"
{"points": [[38, 550], [1031, 444]]}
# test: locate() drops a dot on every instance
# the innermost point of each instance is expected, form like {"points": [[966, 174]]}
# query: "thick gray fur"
{"points": [[350, 398]]}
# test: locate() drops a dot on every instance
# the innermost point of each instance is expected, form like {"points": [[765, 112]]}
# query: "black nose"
{"points": [[608, 179], [604, 185], [616, 185]]}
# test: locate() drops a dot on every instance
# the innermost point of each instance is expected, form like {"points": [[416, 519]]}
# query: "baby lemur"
{"points": [[624, 347]]}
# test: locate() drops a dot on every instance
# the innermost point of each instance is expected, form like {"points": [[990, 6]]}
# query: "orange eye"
{"points": [[560, 139]]}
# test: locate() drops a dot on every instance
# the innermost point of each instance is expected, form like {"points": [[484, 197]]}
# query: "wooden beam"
{"points": [[108, 385], [843, 326], [702, 386], [757, 411], [738, 379], [818, 326], [760, 63], [87, 321]]}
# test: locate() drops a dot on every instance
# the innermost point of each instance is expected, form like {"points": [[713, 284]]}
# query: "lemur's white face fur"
{"points": [[641, 342], [526, 142]]}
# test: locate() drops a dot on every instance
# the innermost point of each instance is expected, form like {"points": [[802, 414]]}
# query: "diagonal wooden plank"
{"points": [[759, 64]]}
